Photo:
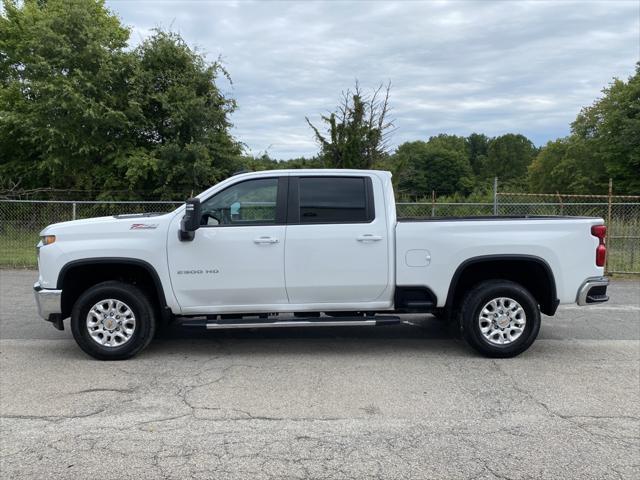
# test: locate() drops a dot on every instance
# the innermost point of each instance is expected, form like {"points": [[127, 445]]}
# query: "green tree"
{"points": [[478, 145], [357, 133], [450, 142], [401, 166], [567, 165], [611, 128], [428, 167], [508, 157], [63, 98], [80, 111], [604, 143], [181, 121]]}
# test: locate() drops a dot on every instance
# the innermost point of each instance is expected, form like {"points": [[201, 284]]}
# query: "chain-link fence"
{"points": [[620, 212], [443, 209], [22, 220]]}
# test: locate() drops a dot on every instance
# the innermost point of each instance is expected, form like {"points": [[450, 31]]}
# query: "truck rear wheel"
{"points": [[113, 321], [499, 318]]}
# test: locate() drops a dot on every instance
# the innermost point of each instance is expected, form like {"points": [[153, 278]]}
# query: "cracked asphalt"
{"points": [[406, 401]]}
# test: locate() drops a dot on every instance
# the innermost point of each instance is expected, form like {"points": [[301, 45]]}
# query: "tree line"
{"points": [[81, 111]]}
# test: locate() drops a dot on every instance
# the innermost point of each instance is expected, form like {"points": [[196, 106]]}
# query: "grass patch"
{"points": [[18, 249]]}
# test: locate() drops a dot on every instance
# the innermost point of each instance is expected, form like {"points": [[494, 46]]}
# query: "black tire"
{"points": [[139, 304], [472, 305]]}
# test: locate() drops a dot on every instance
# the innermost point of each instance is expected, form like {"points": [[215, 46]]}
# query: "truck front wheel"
{"points": [[499, 318], [113, 321]]}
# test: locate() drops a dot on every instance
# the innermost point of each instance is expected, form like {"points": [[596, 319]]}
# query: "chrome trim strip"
{"points": [[588, 284], [293, 323], [47, 301]]}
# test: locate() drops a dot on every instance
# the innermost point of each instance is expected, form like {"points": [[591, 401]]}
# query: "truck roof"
{"points": [[294, 171], [319, 171]]}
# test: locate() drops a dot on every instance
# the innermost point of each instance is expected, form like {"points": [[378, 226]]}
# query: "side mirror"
{"points": [[191, 220]]}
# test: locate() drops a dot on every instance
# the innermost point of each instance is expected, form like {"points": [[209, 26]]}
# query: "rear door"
{"points": [[337, 247]]}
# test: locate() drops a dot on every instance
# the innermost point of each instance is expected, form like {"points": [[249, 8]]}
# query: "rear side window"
{"points": [[334, 200]]}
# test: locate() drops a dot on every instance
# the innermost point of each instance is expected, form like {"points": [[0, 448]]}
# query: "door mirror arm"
{"points": [[191, 220]]}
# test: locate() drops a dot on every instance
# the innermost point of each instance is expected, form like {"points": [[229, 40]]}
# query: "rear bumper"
{"points": [[48, 302], [593, 290]]}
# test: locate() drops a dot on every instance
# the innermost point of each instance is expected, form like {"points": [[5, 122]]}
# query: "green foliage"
{"points": [[567, 165], [427, 167], [449, 160], [79, 111], [611, 129], [478, 147], [181, 120], [508, 157], [357, 132], [264, 162], [605, 143], [450, 142], [64, 95]]}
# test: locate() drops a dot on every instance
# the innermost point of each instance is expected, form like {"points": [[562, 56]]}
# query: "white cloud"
{"points": [[456, 67]]}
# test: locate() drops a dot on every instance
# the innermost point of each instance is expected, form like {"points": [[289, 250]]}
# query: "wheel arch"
{"points": [[77, 276], [530, 271]]}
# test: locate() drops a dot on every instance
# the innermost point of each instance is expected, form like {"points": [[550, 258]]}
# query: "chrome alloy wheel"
{"points": [[502, 321], [111, 323]]}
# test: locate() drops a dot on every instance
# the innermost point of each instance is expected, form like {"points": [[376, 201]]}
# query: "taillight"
{"points": [[600, 231], [601, 255]]}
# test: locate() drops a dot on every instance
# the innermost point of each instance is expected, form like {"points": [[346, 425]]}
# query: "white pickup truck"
{"points": [[312, 248]]}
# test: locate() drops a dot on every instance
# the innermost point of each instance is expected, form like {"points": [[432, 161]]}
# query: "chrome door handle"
{"points": [[369, 237], [265, 239]]}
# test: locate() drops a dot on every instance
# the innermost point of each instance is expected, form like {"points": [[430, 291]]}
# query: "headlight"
{"points": [[47, 239]]}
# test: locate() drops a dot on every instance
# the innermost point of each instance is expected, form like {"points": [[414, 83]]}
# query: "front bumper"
{"points": [[49, 304], [593, 290]]}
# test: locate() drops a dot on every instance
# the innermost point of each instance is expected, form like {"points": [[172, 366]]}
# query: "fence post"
{"points": [[73, 211], [433, 203], [606, 238], [495, 195], [561, 204]]}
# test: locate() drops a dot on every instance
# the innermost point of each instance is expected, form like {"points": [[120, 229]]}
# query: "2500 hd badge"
{"points": [[198, 272]]}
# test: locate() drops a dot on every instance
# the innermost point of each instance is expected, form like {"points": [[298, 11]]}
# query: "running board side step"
{"points": [[305, 322]]}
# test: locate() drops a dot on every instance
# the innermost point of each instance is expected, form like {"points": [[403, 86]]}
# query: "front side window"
{"points": [[252, 202], [333, 200]]}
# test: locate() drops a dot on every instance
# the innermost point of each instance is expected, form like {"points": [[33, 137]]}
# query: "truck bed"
{"points": [[429, 250]]}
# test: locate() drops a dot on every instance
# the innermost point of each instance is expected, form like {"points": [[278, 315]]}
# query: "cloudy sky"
{"points": [[455, 66]]}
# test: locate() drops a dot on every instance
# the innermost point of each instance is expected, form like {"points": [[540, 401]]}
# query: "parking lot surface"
{"points": [[407, 401]]}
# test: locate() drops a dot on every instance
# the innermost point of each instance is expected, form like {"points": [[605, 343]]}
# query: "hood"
{"points": [[116, 224]]}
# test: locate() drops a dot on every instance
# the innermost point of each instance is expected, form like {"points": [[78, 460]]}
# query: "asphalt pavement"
{"points": [[408, 401]]}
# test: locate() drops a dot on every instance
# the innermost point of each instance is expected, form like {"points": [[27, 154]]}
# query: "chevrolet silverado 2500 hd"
{"points": [[324, 247]]}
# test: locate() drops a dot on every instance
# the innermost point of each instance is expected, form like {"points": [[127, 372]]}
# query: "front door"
{"points": [[235, 262]]}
